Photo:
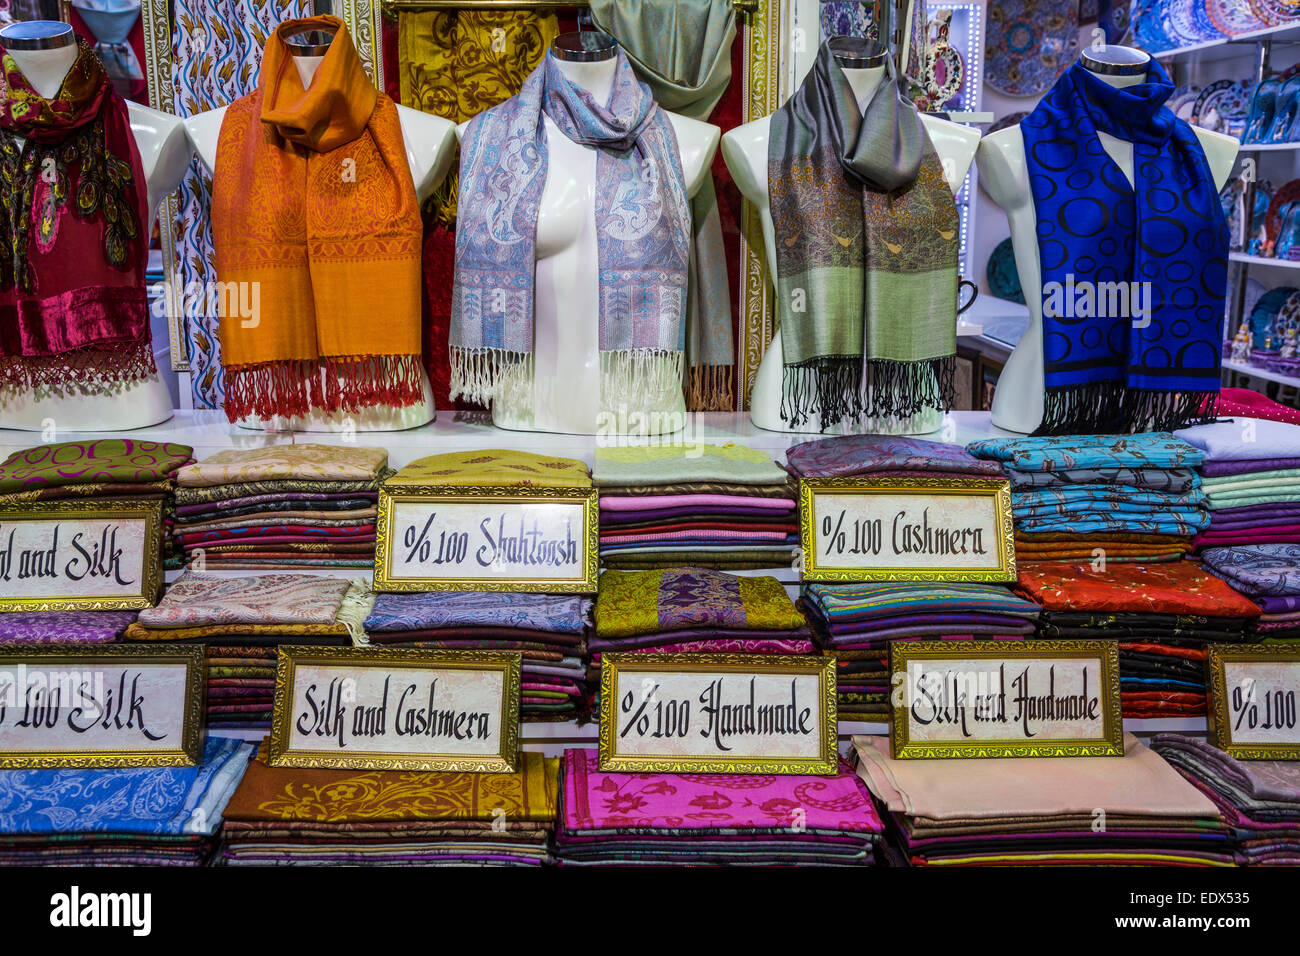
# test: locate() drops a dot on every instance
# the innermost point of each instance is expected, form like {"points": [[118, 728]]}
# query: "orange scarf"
{"points": [[313, 206]]}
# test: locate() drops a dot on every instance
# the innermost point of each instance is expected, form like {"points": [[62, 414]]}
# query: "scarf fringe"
{"points": [[630, 378], [711, 388], [85, 370], [297, 387], [832, 389], [1101, 408]]}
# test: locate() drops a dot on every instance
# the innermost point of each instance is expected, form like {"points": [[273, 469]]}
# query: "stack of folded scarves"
{"points": [[715, 506], [100, 471], [64, 627], [856, 623], [694, 610], [548, 630], [284, 815], [1131, 498], [1064, 811], [1162, 614], [281, 507], [150, 816], [1251, 477], [651, 819], [241, 621], [1259, 799], [885, 456], [1268, 574]]}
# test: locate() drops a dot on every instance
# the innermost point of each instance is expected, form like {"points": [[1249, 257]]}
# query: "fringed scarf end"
{"points": [[1100, 408], [635, 379], [711, 388], [481, 375], [297, 387], [830, 388], [93, 369]]}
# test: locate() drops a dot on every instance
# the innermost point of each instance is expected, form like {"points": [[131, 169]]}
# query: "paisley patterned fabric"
{"points": [[239, 490], [216, 49], [495, 467], [643, 230], [646, 602], [1258, 570], [560, 613], [152, 800], [867, 454], [73, 211], [206, 599], [866, 231], [1088, 451], [64, 627], [1175, 587], [307, 462], [1105, 371], [106, 462]]}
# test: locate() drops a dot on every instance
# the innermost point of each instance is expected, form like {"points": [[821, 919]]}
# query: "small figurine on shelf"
{"points": [[1242, 343], [1290, 344]]}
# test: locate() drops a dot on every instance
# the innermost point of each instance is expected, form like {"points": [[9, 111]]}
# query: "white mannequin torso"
{"points": [[566, 355], [1018, 400], [164, 157], [429, 144], [745, 151]]}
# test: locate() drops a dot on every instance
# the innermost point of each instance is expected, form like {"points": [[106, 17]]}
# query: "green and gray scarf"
{"points": [[866, 251]]}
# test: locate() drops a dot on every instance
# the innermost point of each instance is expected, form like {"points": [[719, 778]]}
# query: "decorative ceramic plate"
{"points": [[1183, 102], [1150, 28], [1115, 19], [1204, 22], [1030, 44], [1288, 193], [1223, 103], [1283, 10], [847, 18], [1186, 24], [1003, 279], [1265, 12], [1231, 17], [1265, 312], [1288, 317]]}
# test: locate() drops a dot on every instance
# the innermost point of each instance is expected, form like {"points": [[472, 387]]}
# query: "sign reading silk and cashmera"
{"points": [[491, 539], [913, 529]]}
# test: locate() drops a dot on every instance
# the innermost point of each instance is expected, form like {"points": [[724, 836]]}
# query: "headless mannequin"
{"points": [[745, 151], [1018, 400], [566, 353], [164, 158], [429, 141]]}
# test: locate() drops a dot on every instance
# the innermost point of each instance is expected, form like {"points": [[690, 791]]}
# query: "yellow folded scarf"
{"points": [[494, 468], [314, 215]]}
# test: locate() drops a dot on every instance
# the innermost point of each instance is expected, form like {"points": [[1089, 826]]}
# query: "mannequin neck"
{"points": [[307, 67], [45, 69], [1119, 82], [1124, 57], [864, 84], [597, 78]]}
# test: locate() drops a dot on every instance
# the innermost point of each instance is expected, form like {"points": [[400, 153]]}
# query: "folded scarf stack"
{"points": [[548, 630], [1268, 574], [711, 506], [649, 819], [885, 456], [106, 471], [1133, 810], [1251, 478], [1124, 498], [149, 816], [286, 815], [856, 623], [282, 506], [1163, 615], [1259, 799], [241, 621], [694, 610]]}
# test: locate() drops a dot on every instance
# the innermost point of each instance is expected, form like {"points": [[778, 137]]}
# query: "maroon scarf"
{"points": [[72, 251]]}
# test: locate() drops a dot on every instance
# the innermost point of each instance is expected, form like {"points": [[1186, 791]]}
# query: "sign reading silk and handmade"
{"points": [[1253, 711], [408, 709], [1005, 699], [101, 706], [717, 713], [487, 539], [70, 555], [914, 529]]}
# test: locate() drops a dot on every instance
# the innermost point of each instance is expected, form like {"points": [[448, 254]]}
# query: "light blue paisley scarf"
{"points": [[643, 229]]}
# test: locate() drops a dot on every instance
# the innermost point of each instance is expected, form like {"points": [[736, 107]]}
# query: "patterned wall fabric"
{"points": [[217, 46]]}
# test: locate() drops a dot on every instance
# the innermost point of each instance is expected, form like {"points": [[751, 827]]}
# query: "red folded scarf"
{"points": [[72, 203]]}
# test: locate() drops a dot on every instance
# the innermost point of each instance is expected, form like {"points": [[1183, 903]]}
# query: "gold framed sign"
{"points": [[1005, 699], [80, 555], [487, 539], [1253, 690], [396, 709], [906, 529], [718, 713], [97, 705]]}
